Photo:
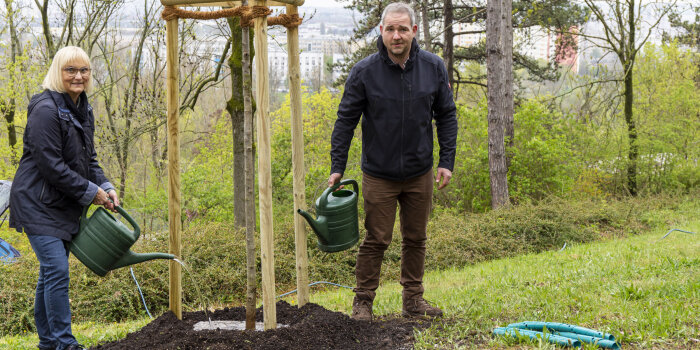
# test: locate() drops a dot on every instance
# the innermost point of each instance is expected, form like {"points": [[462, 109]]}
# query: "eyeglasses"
{"points": [[72, 71]]}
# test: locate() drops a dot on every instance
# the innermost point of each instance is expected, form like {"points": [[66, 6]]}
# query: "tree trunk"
{"points": [[628, 64], [9, 109], [449, 51], [427, 40], [507, 18], [235, 110], [46, 29], [496, 103], [251, 282], [124, 160]]}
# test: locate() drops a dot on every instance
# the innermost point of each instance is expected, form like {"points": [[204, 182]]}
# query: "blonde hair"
{"points": [[54, 77]]}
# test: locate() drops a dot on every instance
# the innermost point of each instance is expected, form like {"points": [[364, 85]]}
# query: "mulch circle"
{"points": [[309, 327]]}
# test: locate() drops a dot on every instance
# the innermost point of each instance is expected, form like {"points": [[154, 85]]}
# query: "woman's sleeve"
{"points": [[44, 139], [97, 174]]}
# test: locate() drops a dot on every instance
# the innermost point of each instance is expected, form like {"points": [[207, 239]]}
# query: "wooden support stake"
{"points": [[297, 161], [262, 93], [174, 166]]}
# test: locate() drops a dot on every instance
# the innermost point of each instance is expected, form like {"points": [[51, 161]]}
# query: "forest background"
{"points": [[568, 154]]}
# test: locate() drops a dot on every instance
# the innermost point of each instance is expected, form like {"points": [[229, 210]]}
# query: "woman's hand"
{"points": [[115, 198], [103, 199]]}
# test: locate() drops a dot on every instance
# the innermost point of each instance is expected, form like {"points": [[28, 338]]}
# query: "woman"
{"points": [[57, 176]]}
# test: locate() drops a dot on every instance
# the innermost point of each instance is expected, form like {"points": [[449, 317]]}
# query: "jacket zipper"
{"points": [[403, 115], [41, 195]]}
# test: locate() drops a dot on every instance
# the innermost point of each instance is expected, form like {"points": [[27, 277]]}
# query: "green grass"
{"points": [[644, 291], [87, 333]]}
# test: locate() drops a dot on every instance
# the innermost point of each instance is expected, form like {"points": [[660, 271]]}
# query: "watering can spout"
{"points": [[319, 225], [131, 258]]}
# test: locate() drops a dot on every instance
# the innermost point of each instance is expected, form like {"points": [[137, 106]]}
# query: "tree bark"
{"points": [[498, 173], [629, 102], [235, 110], [251, 281], [507, 20], [449, 51], [427, 40], [9, 108]]}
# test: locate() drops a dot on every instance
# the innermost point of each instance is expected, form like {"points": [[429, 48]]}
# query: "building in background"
{"points": [[536, 42]]}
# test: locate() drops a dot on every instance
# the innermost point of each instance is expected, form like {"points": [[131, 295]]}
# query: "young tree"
{"points": [[234, 106], [248, 109], [621, 20]]}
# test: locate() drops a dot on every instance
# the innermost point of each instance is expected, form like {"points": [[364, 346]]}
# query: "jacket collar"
{"points": [[65, 104], [80, 110], [385, 55]]}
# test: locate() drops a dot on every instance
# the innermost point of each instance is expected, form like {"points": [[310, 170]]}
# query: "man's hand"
{"points": [[334, 179], [444, 175]]}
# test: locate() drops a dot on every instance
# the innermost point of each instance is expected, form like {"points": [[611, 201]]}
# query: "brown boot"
{"points": [[419, 307], [361, 310]]}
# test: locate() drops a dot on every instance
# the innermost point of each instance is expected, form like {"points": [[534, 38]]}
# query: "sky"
{"points": [[322, 3]]}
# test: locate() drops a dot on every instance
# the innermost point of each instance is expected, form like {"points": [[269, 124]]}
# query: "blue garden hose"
{"points": [[559, 333], [140, 292], [674, 229]]}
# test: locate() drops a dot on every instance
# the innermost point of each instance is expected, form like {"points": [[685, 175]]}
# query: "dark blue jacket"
{"points": [[58, 173], [398, 107]]}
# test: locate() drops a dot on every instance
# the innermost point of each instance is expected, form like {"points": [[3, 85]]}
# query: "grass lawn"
{"points": [[643, 290]]}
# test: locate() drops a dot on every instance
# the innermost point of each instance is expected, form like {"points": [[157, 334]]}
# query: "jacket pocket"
{"points": [[49, 195]]}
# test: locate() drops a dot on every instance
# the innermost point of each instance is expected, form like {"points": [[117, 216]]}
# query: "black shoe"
{"points": [[46, 347], [75, 346]]}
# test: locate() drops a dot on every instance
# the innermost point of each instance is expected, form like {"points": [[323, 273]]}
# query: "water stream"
{"points": [[206, 313]]}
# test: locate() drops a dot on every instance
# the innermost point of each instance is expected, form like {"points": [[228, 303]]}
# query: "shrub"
{"points": [[215, 256]]}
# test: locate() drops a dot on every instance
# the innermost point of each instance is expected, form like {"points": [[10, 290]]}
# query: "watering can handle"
{"points": [[324, 196], [123, 213]]}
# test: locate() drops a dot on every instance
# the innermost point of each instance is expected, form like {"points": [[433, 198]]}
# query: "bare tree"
{"points": [[83, 23], [120, 89], [620, 21], [8, 105]]}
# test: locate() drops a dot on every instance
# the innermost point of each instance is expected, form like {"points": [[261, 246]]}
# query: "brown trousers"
{"points": [[414, 197]]}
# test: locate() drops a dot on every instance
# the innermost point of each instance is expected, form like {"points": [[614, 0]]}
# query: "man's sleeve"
{"points": [[444, 112], [349, 113]]}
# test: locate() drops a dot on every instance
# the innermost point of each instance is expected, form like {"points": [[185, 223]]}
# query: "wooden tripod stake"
{"points": [[263, 150]]}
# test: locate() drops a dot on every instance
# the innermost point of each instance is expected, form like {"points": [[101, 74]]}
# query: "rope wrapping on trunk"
{"points": [[246, 13]]}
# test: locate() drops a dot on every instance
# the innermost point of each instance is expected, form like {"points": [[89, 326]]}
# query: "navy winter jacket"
{"points": [[398, 106], [58, 173]]}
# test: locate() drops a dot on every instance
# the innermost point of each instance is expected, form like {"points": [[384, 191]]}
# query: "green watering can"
{"points": [[336, 226], [103, 242]]}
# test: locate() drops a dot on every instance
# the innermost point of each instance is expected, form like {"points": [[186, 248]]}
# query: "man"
{"points": [[399, 91]]}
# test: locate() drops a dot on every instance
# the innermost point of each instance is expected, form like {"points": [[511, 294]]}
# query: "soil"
{"points": [[309, 327]]}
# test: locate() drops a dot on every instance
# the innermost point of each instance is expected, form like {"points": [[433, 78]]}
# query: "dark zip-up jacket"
{"points": [[398, 106], [58, 172]]}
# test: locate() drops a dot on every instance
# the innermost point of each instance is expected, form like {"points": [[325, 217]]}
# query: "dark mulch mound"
{"points": [[310, 327]]}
